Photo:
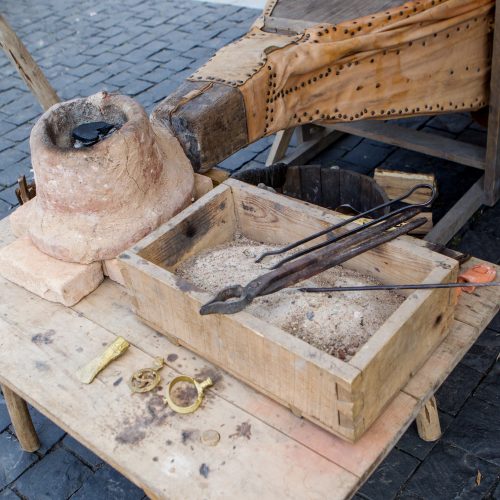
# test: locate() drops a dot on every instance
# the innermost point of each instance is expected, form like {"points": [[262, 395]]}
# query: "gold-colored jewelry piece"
{"points": [[88, 372], [200, 389], [146, 379]]}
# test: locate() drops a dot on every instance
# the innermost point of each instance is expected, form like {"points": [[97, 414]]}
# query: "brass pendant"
{"points": [[200, 390], [146, 379]]}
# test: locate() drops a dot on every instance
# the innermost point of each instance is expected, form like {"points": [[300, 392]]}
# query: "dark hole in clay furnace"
{"points": [[87, 134]]}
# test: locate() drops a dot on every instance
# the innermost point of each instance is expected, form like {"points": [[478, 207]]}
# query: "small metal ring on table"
{"points": [[200, 389]]}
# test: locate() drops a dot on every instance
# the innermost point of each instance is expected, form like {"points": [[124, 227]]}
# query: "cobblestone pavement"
{"points": [[146, 49]]}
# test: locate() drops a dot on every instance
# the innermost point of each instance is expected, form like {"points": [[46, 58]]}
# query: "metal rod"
{"points": [[353, 219], [421, 286], [307, 266]]}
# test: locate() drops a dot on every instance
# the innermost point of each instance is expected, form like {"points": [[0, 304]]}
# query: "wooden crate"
{"points": [[343, 397]]}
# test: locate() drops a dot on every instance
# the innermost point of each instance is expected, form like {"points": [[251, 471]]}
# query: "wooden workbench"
{"points": [[264, 451]]}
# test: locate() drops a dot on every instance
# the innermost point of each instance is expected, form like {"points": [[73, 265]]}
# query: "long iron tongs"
{"points": [[313, 263], [291, 246]]}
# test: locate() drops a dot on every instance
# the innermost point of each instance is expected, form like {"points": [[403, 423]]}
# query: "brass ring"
{"points": [[200, 389]]}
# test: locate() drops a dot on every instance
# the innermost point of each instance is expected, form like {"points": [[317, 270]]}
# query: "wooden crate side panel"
{"points": [[261, 355], [208, 222], [403, 344]]}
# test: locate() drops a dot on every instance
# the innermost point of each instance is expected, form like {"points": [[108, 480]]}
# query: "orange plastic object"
{"points": [[480, 273]]}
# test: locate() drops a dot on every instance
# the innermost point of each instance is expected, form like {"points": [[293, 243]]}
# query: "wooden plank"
{"points": [[332, 11], [194, 229], [279, 147], [416, 140], [396, 184], [21, 420], [168, 464], [458, 215], [492, 170], [26, 66], [109, 306], [209, 120]]}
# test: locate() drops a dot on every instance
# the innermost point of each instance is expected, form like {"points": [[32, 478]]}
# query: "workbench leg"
{"points": [[428, 426], [21, 420]]}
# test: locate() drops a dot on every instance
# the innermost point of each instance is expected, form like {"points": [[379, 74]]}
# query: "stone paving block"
{"points": [[453, 122], [450, 473], [8, 494], [164, 56], [19, 134], [390, 476], [109, 484], [136, 87], [479, 357], [13, 460], [438, 132], [238, 159], [5, 209], [473, 136], [6, 127], [4, 415], [477, 430], [360, 169], [495, 325], [83, 453], [489, 389], [143, 68], [178, 63], [57, 476], [366, 155], [5, 144], [412, 444], [481, 245], [455, 390]]}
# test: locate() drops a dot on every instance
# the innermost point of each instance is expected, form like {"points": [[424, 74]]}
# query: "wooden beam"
{"points": [[279, 147], [208, 119], [423, 142], [492, 171], [21, 420], [26, 66], [458, 215]]}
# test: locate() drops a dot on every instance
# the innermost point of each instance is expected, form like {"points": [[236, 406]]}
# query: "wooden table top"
{"points": [[264, 451]]}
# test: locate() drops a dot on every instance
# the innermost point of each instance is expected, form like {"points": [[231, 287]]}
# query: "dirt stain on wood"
{"points": [[204, 470], [42, 366], [172, 357], [118, 381], [243, 430], [154, 412], [43, 338]]}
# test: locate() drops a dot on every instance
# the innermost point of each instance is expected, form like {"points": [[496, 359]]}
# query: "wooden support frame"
{"points": [[485, 191]]}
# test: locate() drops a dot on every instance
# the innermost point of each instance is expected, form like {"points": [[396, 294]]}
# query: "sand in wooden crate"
{"points": [[338, 323]]}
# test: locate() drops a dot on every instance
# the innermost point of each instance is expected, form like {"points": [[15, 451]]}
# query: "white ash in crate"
{"points": [[338, 323]]}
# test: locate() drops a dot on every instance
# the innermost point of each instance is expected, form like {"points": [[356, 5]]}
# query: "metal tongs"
{"points": [[318, 258]]}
